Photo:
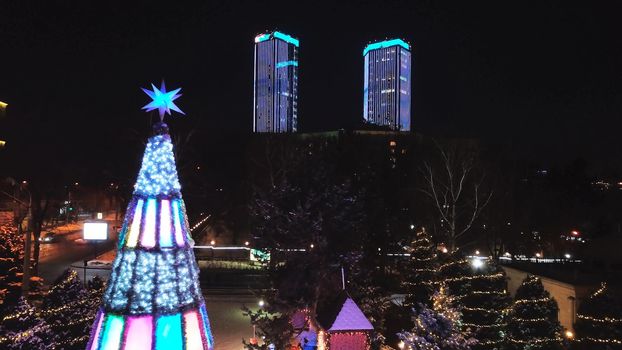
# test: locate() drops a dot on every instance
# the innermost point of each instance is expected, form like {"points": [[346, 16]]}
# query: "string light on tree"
{"points": [[532, 319], [599, 319], [153, 299]]}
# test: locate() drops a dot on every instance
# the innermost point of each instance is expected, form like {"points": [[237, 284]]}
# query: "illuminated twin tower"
{"points": [[386, 92]]}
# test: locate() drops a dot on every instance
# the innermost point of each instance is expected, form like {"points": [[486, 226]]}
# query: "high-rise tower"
{"points": [[275, 102], [387, 92]]}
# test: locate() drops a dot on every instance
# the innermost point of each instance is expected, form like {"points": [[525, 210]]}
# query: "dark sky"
{"points": [[545, 76]]}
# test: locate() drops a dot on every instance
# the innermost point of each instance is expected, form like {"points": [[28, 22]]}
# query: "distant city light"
{"points": [[412, 227], [261, 303], [567, 256], [212, 242], [477, 252], [312, 246], [246, 243], [401, 344], [574, 232], [444, 250], [569, 334], [538, 255]]}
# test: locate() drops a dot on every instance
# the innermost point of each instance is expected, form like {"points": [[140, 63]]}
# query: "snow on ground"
{"points": [[228, 323]]}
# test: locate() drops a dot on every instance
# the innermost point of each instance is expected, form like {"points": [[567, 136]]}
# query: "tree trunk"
{"points": [[26, 268]]}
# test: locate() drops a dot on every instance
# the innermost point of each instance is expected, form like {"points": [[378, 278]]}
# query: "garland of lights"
{"points": [[602, 323], [143, 309], [533, 341]]}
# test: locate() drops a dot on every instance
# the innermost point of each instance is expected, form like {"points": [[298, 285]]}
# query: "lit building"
{"points": [[387, 92], [275, 102]]}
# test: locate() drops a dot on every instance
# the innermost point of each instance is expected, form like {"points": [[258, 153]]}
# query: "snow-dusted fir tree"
{"points": [[421, 271], [437, 328], [153, 299], [11, 262], [22, 328], [68, 311], [532, 319], [599, 321]]}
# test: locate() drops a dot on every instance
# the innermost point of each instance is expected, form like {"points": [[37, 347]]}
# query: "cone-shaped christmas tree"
{"points": [[153, 299]]}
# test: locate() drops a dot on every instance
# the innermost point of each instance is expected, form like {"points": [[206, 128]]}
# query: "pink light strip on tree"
{"points": [[193, 331], [95, 343], [148, 237], [166, 238], [139, 330], [179, 234]]}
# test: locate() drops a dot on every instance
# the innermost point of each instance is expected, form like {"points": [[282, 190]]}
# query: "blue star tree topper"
{"points": [[162, 100]]}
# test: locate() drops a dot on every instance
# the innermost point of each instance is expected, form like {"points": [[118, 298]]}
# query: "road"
{"points": [[54, 258]]}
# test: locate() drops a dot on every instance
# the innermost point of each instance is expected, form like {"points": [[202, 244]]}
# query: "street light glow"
{"points": [[477, 263]]}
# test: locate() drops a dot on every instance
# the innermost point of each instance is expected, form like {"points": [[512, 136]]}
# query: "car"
{"points": [[49, 237]]}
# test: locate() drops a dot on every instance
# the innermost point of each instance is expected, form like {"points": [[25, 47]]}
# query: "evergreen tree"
{"points": [[421, 271], [437, 328], [484, 306], [22, 328], [11, 260], [599, 321], [479, 288], [373, 300], [69, 311], [532, 319]]}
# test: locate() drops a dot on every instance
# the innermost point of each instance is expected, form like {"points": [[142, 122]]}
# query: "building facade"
{"points": [[275, 102], [387, 91]]}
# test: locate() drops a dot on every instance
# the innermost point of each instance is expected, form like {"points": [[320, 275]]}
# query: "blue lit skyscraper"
{"points": [[275, 103], [386, 99]]}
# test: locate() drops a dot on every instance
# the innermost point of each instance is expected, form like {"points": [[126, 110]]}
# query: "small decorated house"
{"points": [[342, 325]]}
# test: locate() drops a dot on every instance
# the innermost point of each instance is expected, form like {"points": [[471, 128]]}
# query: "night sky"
{"points": [[545, 77]]}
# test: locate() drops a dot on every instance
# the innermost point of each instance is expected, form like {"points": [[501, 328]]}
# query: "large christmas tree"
{"points": [[599, 321], [532, 320], [153, 299]]}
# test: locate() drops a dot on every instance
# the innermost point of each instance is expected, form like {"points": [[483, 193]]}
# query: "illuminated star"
{"points": [[162, 100]]}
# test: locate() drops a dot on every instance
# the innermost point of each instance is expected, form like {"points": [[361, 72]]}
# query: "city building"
{"points": [[387, 91], [275, 102]]}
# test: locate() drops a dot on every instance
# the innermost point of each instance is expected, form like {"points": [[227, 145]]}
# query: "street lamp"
{"points": [[477, 263]]}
